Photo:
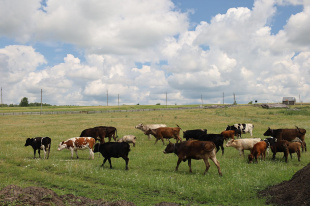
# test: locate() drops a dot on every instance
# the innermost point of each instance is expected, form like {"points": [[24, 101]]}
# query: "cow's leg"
{"points": [[222, 147], [91, 154], [162, 139], [109, 159], [105, 159], [156, 140], [34, 153], [44, 150], [39, 153], [298, 154], [126, 160], [274, 156], [241, 152], [149, 135], [216, 162], [178, 163], [48, 150], [205, 159], [286, 155], [190, 165]]}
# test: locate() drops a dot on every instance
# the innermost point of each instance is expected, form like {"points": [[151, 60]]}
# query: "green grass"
{"points": [[151, 178]]}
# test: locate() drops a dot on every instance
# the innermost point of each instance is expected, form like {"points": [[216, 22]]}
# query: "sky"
{"points": [[115, 52]]}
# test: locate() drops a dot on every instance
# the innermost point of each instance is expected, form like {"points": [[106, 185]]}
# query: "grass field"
{"points": [[151, 178]]}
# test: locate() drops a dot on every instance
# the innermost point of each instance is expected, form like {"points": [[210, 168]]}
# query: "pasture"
{"points": [[151, 178]]}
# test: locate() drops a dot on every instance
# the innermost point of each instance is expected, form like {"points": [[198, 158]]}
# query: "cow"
{"points": [[189, 150], [242, 144], [113, 149], [165, 132], [193, 134], [217, 139], [288, 134], [40, 143], [229, 134], [78, 143], [95, 132], [278, 146], [145, 127], [294, 147], [245, 128], [111, 132], [259, 149], [129, 139]]}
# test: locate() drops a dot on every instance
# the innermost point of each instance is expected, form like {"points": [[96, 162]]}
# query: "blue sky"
{"points": [[76, 51]]}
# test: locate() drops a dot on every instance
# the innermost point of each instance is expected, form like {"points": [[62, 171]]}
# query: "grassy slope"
{"points": [[151, 178]]}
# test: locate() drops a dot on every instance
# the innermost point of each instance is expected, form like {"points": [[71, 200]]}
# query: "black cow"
{"points": [[113, 149], [40, 143], [288, 134], [95, 133], [278, 146], [217, 139], [193, 134]]}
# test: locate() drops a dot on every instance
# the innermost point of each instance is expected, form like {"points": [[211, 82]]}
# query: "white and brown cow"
{"points": [[145, 127], [78, 143]]}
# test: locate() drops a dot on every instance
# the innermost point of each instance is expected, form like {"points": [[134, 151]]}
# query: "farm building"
{"points": [[289, 100]]}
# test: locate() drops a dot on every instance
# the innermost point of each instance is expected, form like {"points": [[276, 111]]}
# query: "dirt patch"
{"points": [[292, 192], [39, 196]]}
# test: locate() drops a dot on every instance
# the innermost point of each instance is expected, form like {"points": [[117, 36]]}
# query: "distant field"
{"points": [[151, 178]]}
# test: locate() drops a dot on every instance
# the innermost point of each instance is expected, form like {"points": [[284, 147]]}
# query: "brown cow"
{"points": [[165, 132], [259, 149], [229, 134], [278, 146], [288, 134], [111, 132], [95, 133], [194, 150], [294, 147]]}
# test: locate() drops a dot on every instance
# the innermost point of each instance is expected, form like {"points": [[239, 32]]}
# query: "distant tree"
{"points": [[251, 102], [24, 102]]}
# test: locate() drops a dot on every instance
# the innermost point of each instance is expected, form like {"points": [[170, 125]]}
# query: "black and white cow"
{"points": [[40, 143], [245, 128]]}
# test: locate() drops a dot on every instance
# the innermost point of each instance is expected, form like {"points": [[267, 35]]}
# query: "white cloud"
{"points": [[234, 52]]}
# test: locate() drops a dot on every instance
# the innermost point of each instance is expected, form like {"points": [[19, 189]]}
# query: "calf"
{"points": [[243, 144], [294, 147], [165, 132], [128, 139], [259, 149], [194, 150], [217, 139], [78, 143], [278, 146], [227, 134], [111, 132], [113, 149], [40, 143], [145, 127], [194, 134]]}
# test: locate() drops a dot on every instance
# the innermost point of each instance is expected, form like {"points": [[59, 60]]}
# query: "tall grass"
{"points": [[151, 177]]}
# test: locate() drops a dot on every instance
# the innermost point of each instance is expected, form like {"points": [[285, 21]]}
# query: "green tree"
{"points": [[24, 102]]}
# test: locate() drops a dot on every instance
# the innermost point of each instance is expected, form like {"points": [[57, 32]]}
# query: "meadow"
{"points": [[151, 178]]}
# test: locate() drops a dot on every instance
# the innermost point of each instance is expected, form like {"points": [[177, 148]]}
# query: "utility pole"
{"points": [[107, 97], [166, 100], [223, 97], [1, 96], [235, 99], [41, 102], [118, 100], [201, 100]]}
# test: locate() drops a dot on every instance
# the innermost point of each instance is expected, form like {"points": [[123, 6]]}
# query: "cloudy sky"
{"points": [[78, 51]]}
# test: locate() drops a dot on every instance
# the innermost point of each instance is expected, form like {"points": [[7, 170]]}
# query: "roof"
{"points": [[289, 99]]}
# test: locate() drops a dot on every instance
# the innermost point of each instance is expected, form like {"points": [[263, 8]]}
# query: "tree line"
{"points": [[25, 103]]}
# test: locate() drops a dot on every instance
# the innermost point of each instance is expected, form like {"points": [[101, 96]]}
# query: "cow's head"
{"points": [[170, 148], [96, 147], [230, 143], [139, 126], [62, 145], [269, 132], [250, 157], [29, 141]]}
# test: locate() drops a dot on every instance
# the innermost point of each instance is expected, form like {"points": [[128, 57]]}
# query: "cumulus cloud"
{"points": [[137, 51]]}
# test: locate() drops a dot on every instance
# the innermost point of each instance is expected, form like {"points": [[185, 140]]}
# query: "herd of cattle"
{"points": [[199, 143]]}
